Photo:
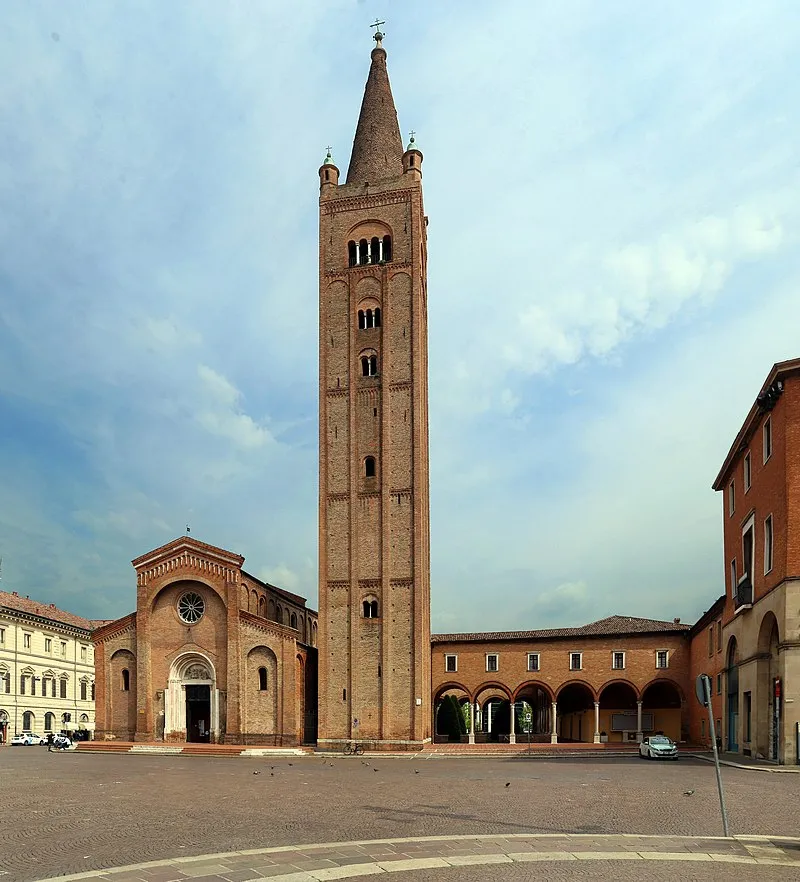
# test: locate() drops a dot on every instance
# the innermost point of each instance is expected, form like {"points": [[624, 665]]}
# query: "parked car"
{"points": [[658, 747], [37, 739], [21, 740]]}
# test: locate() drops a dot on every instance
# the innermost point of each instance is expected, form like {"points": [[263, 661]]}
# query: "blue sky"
{"points": [[612, 192]]}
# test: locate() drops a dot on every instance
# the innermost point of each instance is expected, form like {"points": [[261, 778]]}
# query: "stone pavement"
{"points": [[344, 860], [76, 812]]}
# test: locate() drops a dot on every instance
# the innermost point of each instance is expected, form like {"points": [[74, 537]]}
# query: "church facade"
{"points": [[212, 654]]}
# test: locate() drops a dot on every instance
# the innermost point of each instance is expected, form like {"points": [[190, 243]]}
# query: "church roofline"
{"points": [[188, 542], [295, 598]]}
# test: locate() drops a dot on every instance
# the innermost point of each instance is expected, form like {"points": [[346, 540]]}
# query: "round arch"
{"points": [[766, 732], [533, 701], [618, 681], [663, 703], [452, 708], [575, 707], [195, 579], [191, 699]]}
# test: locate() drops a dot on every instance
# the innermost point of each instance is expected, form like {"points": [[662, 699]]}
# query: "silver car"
{"points": [[658, 747]]}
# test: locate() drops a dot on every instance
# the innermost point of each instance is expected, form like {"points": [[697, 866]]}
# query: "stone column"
{"points": [[554, 724], [597, 722], [512, 738], [471, 722], [639, 721]]}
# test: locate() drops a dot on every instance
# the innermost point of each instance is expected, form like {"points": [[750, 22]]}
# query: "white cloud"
{"points": [[222, 415]]}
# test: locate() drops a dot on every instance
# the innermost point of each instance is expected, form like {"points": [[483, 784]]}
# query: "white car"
{"points": [[658, 747], [21, 740]]}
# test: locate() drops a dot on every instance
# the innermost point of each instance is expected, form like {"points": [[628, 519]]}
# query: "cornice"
{"points": [[44, 622], [188, 559], [125, 625], [392, 268], [377, 200], [267, 626]]}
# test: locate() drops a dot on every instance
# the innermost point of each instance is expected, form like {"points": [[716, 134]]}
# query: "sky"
{"points": [[613, 269]]}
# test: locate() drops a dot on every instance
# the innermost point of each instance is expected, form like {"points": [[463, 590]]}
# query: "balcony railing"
{"points": [[744, 593]]}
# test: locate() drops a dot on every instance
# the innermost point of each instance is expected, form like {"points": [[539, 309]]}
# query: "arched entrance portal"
{"points": [[768, 712], [191, 701]]}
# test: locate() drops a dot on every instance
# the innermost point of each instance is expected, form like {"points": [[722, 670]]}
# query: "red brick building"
{"points": [[707, 657], [760, 487], [612, 680], [211, 654]]}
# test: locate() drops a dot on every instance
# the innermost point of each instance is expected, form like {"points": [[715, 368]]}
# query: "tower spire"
{"points": [[377, 146]]}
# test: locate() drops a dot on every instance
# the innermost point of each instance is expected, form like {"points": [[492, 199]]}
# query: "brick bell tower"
{"points": [[374, 524]]}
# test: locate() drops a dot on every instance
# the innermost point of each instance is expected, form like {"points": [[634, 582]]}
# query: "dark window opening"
{"points": [[387, 248], [362, 320], [411, 160], [369, 467], [352, 253], [126, 681], [327, 175], [747, 551], [363, 252], [379, 671], [370, 608], [92, 690], [83, 692], [22, 684], [376, 318], [63, 688], [374, 411], [369, 365], [375, 250], [344, 695], [262, 679]]}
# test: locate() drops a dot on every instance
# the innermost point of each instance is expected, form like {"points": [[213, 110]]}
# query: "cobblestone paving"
{"points": [[73, 813]]}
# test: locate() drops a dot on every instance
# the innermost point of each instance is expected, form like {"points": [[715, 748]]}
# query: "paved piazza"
{"points": [[314, 818]]}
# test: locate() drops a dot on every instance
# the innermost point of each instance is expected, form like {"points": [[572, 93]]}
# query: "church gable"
{"points": [[187, 558]]}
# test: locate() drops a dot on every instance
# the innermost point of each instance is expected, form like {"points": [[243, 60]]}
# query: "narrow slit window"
{"points": [[262, 679], [126, 680], [369, 467]]}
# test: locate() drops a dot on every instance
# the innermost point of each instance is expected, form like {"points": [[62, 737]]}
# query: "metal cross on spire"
{"points": [[378, 36]]}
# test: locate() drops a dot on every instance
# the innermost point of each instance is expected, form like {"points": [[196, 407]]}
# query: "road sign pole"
{"points": [[712, 729]]}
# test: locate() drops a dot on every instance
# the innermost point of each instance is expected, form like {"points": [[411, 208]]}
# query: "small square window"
{"points": [[618, 661], [747, 472], [662, 658], [533, 661], [48, 644], [731, 498], [491, 662], [767, 439], [26, 641], [451, 663], [575, 661]]}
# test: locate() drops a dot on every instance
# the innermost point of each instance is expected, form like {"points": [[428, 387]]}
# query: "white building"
{"points": [[46, 668]]}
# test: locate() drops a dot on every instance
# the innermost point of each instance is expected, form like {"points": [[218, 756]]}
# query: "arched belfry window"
{"points": [[377, 249], [369, 318], [369, 365], [369, 467], [370, 608]]}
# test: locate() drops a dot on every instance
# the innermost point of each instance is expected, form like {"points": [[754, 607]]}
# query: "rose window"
{"points": [[191, 607]]}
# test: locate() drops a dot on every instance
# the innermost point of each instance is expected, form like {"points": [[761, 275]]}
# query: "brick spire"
{"points": [[377, 146]]}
